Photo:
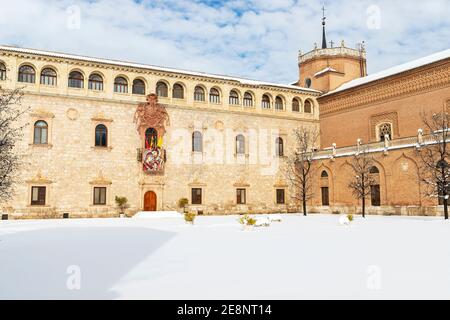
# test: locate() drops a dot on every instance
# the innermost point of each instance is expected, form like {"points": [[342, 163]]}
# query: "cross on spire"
{"points": [[324, 38]]}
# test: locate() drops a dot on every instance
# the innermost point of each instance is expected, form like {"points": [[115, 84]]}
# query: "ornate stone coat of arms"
{"points": [[151, 119]]}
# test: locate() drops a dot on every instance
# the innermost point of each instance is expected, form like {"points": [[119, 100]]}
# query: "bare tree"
{"points": [[300, 169], [363, 180], [10, 134], [434, 170]]}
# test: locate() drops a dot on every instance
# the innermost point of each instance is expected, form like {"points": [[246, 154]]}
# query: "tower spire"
{"points": [[324, 37]]}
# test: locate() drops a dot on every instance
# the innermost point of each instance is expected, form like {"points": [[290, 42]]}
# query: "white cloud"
{"points": [[255, 39]]}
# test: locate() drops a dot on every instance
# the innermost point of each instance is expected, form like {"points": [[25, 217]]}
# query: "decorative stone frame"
{"points": [[39, 181], [101, 182], [40, 115], [378, 119], [95, 121]]}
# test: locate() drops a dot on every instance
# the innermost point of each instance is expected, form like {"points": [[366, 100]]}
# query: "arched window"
{"points": [[27, 74], [95, 82], [178, 91], [101, 136], [197, 142], [120, 85], [374, 170], [234, 97], [325, 192], [138, 87], [40, 132], [279, 150], [151, 138], [308, 106], [214, 96], [295, 105], [278, 103], [76, 80], [308, 82], [162, 89], [240, 144], [248, 99], [384, 129], [2, 72], [265, 103], [48, 77], [375, 194], [199, 94]]}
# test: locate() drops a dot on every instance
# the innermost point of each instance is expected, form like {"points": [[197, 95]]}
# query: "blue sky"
{"points": [[257, 39]]}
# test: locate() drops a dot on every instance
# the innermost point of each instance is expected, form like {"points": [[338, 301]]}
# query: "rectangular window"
{"points": [[100, 196], [240, 196], [196, 196], [38, 196], [280, 196]]}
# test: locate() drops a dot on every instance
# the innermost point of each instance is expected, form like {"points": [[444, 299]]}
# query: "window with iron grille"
{"points": [[265, 103], [248, 100], [138, 87], [120, 85], [234, 98], [199, 94], [27, 74], [196, 196], [214, 96], [241, 196]]}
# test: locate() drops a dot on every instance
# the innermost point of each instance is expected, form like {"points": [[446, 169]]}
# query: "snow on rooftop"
{"points": [[243, 81], [394, 70], [328, 69]]}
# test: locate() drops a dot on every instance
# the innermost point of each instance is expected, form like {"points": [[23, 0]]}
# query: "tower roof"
{"points": [[324, 37]]}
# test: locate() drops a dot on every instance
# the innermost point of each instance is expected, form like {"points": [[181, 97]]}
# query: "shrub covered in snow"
{"points": [[247, 220], [344, 221], [189, 217], [350, 217]]}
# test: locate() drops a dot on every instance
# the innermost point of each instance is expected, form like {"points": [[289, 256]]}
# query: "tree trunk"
{"points": [[304, 206], [445, 206], [364, 207]]}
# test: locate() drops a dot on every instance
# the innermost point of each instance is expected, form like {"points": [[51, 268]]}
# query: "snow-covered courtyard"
{"points": [[165, 258]]}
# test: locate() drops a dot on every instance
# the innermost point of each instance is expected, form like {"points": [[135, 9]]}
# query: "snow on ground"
{"points": [[298, 258]]}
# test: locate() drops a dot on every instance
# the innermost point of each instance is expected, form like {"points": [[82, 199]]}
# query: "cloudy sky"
{"points": [[257, 39]]}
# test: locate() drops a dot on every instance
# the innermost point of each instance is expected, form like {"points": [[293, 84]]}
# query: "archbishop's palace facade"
{"points": [[98, 128]]}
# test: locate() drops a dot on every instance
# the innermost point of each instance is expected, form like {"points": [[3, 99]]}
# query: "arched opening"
{"points": [[2, 72], [48, 77], [214, 96], [248, 99], [120, 85], [197, 142], [40, 132], [295, 105], [384, 131], [375, 194], [162, 90], [138, 87], [279, 103], [101, 136], [95, 82], [279, 147], [234, 98], [151, 138], [308, 106], [240, 144], [178, 91], [150, 201], [199, 94], [325, 191], [76, 80], [265, 102], [27, 74]]}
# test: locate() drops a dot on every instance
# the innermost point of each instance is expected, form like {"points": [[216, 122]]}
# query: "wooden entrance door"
{"points": [[150, 201]]}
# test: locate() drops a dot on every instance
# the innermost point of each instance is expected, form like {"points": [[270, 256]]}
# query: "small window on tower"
{"points": [[308, 82]]}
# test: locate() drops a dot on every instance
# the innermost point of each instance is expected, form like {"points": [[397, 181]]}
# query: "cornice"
{"points": [[412, 82]]}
